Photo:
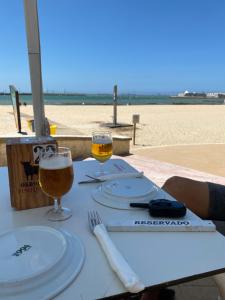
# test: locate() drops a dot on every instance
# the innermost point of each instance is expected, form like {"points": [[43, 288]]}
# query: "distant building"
{"points": [[191, 94], [201, 95], [212, 95]]}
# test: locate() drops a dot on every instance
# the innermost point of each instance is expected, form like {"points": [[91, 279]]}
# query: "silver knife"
{"points": [[91, 181], [113, 176]]}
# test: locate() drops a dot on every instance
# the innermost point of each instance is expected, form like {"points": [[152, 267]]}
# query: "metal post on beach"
{"points": [[34, 54], [135, 119], [115, 105]]}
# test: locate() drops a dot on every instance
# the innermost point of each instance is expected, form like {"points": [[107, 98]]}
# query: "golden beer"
{"points": [[56, 179], [101, 151]]}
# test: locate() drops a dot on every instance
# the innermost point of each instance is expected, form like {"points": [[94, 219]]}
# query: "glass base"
{"points": [[60, 214]]}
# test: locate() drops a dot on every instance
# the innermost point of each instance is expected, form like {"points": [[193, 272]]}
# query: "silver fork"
{"points": [[115, 258], [94, 219]]}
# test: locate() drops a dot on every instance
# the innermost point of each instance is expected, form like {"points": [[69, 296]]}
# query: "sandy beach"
{"points": [[192, 136], [159, 124]]}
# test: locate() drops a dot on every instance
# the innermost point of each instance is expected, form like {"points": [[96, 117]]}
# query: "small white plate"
{"points": [[119, 193], [50, 282], [32, 250], [127, 187]]}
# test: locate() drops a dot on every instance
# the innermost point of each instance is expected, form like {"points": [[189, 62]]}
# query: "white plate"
{"points": [[127, 187], [120, 192], [32, 249], [49, 283]]}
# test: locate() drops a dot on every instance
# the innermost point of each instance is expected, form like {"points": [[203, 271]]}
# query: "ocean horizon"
{"points": [[107, 99]]}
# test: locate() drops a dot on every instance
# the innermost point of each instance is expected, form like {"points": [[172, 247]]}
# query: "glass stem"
{"points": [[57, 204], [101, 168]]}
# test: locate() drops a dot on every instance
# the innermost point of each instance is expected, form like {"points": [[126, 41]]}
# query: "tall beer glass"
{"points": [[56, 179], [101, 148]]}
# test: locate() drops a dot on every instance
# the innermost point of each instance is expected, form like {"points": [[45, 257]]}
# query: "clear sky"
{"points": [[144, 46]]}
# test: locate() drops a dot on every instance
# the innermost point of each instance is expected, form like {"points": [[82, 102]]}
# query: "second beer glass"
{"points": [[56, 179], [101, 148]]}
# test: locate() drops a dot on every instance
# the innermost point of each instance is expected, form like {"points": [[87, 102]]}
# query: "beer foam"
{"points": [[55, 163]]}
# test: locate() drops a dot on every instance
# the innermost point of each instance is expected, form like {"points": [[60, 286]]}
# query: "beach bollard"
{"points": [[135, 120]]}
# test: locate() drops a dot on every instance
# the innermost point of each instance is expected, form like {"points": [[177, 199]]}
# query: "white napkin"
{"points": [[130, 280], [121, 175]]}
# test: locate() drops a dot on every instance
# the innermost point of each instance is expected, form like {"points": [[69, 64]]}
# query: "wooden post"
{"points": [[134, 133], [135, 119], [16, 106], [115, 105]]}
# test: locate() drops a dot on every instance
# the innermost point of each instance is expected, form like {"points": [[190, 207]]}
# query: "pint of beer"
{"points": [[56, 179], [56, 175]]}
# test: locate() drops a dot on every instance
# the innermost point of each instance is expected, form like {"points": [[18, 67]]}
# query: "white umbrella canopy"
{"points": [[34, 54]]}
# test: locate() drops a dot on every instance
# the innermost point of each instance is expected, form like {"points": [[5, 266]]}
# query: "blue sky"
{"points": [[144, 46]]}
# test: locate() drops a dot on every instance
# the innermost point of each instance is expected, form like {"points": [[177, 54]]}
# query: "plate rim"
{"points": [[113, 202]]}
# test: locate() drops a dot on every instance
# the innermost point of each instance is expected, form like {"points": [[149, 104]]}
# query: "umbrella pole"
{"points": [[34, 54]]}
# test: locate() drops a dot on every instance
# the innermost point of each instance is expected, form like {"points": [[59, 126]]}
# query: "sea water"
{"points": [[107, 99]]}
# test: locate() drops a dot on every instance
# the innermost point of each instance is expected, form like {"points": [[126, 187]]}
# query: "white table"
{"points": [[159, 258]]}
